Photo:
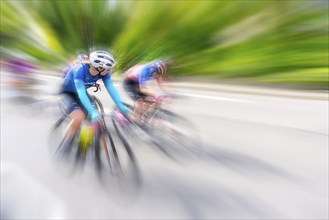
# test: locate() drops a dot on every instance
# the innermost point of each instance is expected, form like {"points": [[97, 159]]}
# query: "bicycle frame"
{"points": [[151, 111]]}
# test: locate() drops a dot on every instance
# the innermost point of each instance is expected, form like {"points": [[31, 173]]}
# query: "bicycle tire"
{"points": [[129, 174], [174, 149], [63, 149], [174, 135], [72, 153], [104, 139], [110, 159]]}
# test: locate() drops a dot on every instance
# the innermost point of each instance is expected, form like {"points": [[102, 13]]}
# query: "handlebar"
{"points": [[97, 87], [163, 97]]}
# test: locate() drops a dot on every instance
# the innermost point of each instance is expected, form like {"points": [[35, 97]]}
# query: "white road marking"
{"points": [[214, 97]]}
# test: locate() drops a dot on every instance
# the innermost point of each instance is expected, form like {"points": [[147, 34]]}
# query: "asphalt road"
{"points": [[264, 157]]}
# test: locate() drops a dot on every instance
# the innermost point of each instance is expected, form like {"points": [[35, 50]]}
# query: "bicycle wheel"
{"points": [[63, 148], [69, 152], [109, 154], [174, 135], [106, 155], [129, 174], [105, 152]]}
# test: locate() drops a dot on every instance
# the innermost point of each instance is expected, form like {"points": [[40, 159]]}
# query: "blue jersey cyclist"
{"points": [[82, 76], [135, 80], [82, 58]]}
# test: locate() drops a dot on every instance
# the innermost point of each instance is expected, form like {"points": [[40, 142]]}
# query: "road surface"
{"points": [[265, 157]]}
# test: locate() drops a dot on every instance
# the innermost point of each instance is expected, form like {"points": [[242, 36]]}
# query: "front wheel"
{"points": [[174, 135], [63, 148], [129, 175]]}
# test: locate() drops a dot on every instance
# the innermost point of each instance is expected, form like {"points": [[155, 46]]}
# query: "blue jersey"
{"points": [[142, 73], [81, 72], [78, 79]]}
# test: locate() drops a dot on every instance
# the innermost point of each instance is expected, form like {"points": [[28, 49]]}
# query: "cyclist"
{"points": [[79, 78], [22, 73], [134, 84], [82, 58]]}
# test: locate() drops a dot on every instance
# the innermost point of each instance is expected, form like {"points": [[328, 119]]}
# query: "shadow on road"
{"points": [[243, 163]]}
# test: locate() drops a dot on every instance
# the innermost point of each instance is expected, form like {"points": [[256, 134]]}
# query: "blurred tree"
{"points": [[277, 41]]}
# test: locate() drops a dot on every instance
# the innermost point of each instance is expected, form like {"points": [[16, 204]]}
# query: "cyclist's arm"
{"points": [[146, 91], [82, 92], [161, 84], [142, 78], [114, 93]]}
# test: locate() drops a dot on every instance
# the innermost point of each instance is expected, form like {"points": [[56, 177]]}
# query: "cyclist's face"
{"points": [[95, 70], [100, 69], [158, 76]]}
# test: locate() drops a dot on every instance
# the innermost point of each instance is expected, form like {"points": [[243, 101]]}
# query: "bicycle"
{"points": [[173, 134], [31, 101], [105, 150], [72, 149]]}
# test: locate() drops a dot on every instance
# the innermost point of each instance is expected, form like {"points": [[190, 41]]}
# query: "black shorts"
{"points": [[71, 102], [133, 90]]}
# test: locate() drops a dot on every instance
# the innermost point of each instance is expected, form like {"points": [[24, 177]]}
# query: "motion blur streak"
{"points": [[265, 41], [212, 97], [264, 153], [24, 197], [255, 154]]}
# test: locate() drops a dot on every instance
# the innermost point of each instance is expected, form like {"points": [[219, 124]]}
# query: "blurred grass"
{"points": [[266, 41]]}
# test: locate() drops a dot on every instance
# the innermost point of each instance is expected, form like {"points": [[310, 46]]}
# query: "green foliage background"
{"points": [[268, 41]]}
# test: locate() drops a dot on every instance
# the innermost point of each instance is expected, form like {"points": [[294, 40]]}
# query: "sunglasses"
{"points": [[98, 61]]}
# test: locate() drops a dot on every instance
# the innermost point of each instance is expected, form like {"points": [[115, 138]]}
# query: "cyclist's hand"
{"points": [[168, 99], [165, 98], [124, 110], [152, 98], [121, 116], [159, 98], [96, 122], [95, 117]]}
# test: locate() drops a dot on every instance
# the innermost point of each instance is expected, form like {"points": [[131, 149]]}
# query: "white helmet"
{"points": [[161, 66], [101, 59]]}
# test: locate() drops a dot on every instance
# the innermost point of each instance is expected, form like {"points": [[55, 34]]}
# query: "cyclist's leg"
{"points": [[139, 109], [133, 91], [77, 115]]}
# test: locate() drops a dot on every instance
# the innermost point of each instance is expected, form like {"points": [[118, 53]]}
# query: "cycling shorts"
{"points": [[133, 90], [71, 102]]}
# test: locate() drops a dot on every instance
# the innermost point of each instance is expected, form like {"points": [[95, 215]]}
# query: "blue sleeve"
{"points": [[114, 93], [82, 92], [145, 74]]}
